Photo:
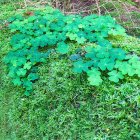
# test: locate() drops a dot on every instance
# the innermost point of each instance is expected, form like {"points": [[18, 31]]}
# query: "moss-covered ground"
{"points": [[63, 105]]}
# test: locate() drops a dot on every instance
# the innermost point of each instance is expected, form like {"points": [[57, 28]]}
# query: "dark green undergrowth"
{"points": [[63, 106], [48, 31]]}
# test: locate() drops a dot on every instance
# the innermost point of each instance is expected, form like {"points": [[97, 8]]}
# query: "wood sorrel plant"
{"points": [[51, 31]]}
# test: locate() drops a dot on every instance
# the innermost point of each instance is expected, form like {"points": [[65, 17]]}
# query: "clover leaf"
{"points": [[131, 71], [89, 49], [62, 48], [133, 59], [27, 84], [95, 80], [27, 92], [137, 71], [27, 65], [104, 43], [21, 72], [72, 36], [33, 76], [17, 82], [122, 66], [115, 76], [125, 68], [12, 74], [106, 64], [102, 54], [90, 52], [93, 71], [21, 61], [118, 53], [80, 40], [94, 77], [95, 62], [90, 55], [80, 66], [81, 26]]}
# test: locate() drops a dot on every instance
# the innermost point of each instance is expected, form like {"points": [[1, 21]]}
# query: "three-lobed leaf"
{"points": [[94, 77], [115, 76]]}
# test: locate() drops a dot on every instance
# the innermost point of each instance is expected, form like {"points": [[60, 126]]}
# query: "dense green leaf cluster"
{"points": [[48, 31], [113, 61], [64, 106]]}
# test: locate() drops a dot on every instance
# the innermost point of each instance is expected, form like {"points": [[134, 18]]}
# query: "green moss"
{"points": [[63, 106]]}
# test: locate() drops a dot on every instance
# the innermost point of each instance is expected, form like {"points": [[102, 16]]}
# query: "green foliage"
{"points": [[115, 76], [49, 31], [62, 48], [9, 1], [79, 66], [94, 77], [113, 61], [64, 106]]}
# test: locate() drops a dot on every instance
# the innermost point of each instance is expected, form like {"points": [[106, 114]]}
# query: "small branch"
{"points": [[98, 7], [25, 3]]}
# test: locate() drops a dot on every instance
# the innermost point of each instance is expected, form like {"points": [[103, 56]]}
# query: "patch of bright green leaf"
{"points": [[62, 48], [21, 72], [80, 66], [36, 36], [108, 59], [17, 82], [106, 64], [115, 76], [94, 77]]}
